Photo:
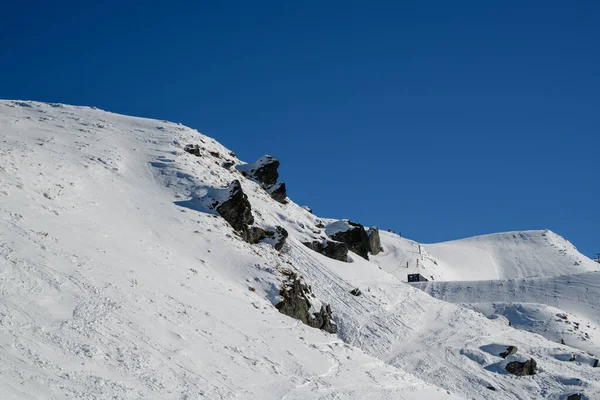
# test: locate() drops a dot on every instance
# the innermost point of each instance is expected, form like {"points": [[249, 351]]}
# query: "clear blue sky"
{"points": [[439, 119]]}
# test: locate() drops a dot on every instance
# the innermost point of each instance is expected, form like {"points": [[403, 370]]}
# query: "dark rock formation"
{"points": [[510, 350], [334, 250], [526, 368], [374, 240], [227, 164], [596, 362], [278, 192], [355, 292], [298, 301], [236, 209], [576, 396], [264, 170], [253, 234], [215, 154], [355, 238], [192, 149], [278, 237]]}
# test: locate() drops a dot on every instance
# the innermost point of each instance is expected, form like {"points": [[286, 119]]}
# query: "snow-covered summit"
{"points": [[119, 279], [509, 255]]}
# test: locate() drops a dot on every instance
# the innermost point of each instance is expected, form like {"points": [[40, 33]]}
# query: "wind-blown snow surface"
{"points": [[510, 255], [117, 282]]}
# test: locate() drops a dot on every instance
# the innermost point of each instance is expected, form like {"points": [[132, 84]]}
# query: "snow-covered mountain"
{"points": [[140, 259], [510, 255]]}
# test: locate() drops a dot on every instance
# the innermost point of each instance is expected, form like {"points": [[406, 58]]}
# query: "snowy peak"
{"points": [[511, 255], [508, 255]]}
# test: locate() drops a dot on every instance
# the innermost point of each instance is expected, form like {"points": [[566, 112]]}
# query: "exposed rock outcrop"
{"points": [[575, 396], [526, 368], [510, 350], [192, 149], [351, 233], [278, 192], [253, 234], [374, 240], [264, 170], [596, 362], [299, 302], [335, 250], [236, 209], [278, 237]]}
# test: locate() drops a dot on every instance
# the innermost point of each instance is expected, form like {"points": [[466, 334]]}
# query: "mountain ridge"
{"points": [[119, 281]]}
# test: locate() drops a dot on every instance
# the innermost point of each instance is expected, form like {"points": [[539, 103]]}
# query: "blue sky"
{"points": [[436, 119]]}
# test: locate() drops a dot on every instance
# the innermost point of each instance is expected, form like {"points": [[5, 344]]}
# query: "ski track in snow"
{"points": [[116, 281]]}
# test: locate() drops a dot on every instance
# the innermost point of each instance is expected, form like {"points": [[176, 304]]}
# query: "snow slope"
{"points": [[535, 304], [117, 281], [510, 255]]}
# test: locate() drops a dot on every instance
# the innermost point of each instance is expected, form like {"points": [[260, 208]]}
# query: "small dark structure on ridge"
{"points": [[416, 278]]}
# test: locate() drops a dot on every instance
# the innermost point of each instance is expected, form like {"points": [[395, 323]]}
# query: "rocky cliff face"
{"points": [[299, 302]]}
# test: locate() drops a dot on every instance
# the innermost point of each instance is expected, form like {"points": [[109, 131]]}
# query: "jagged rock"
{"points": [[215, 154], [351, 233], [264, 170], [192, 149], [253, 234], [278, 192], [227, 164], [576, 396], [323, 320], [299, 302], [374, 240], [236, 209], [596, 362], [278, 237], [510, 350], [334, 250], [281, 237], [526, 368]]}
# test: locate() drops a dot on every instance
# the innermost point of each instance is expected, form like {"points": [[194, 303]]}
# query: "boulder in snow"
{"points": [[227, 164], [335, 250], [253, 234], [278, 237], [192, 149], [264, 170], [278, 192], [299, 302], [526, 368], [351, 233], [510, 350], [374, 240], [236, 209]]}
